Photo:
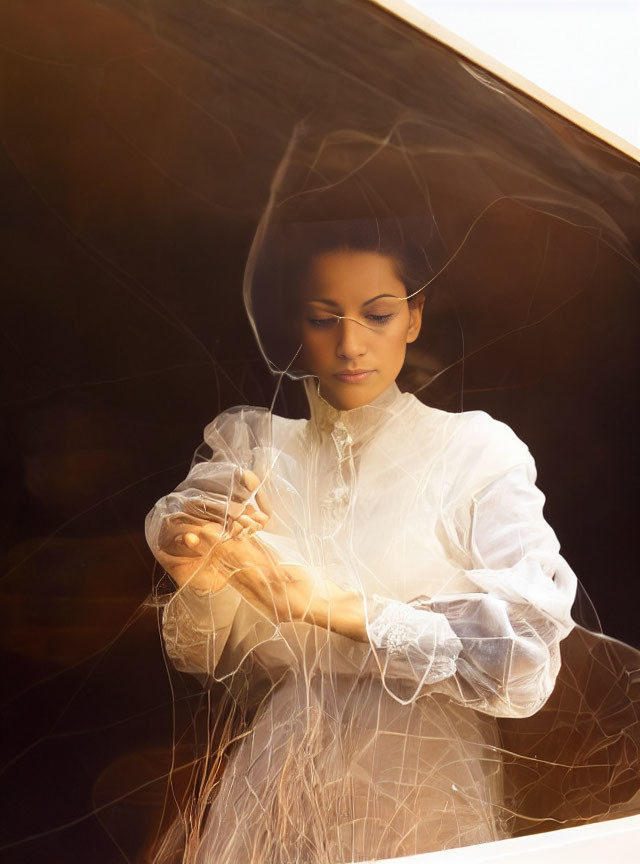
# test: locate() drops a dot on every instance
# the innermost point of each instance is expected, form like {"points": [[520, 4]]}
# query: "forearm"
{"points": [[196, 626], [343, 614], [207, 578], [289, 592]]}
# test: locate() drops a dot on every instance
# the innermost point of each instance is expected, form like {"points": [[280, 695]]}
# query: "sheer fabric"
{"points": [[363, 750], [142, 143]]}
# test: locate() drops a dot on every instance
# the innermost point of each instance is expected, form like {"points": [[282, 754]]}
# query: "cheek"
{"points": [[316, 347], [397, 339]]}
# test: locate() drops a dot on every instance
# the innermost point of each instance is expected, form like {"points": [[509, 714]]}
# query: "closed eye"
{"points": [[327, 322], [322, 322]]}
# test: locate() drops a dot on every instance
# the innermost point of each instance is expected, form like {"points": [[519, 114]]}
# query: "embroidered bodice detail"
{"points": [[343, 435], [355, 427]]}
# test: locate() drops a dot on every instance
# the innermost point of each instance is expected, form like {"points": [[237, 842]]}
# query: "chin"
{"points": [[347, 405], [355, 397]]}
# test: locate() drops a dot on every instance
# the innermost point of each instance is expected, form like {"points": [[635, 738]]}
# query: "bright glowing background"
{"points": [[584, 52]]}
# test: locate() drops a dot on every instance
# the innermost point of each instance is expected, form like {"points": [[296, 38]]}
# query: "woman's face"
{"points": [[355, 323]]}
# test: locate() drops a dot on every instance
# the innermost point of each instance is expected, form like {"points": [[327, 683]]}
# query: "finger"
{"points": [[249, 522], [243, 523], [191, 539], [212, 532], [175, 546], [198, 540], [204, 509], [253, 483], [257, 519], [235, 510], [234, 529], [250, 479], [262, 500]]}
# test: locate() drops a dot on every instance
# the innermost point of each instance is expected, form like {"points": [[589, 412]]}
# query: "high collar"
{"points": [[358, 425]]}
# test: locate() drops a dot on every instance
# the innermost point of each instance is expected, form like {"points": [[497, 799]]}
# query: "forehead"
{"points": [[344, 276]]}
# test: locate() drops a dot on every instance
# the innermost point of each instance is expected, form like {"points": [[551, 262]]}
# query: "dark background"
{"points": [[139, 142]]}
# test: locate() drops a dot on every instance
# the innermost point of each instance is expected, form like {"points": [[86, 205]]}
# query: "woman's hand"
{"points": [[284, 592], [246, 518], [237, 514], [187, 541], [204, 557], [185, 550], [210, 553]]}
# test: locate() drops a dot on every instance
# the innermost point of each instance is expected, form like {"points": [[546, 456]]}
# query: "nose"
{"points": [[351, 339]]}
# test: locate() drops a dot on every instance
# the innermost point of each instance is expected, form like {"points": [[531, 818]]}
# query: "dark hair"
{"points": [[386, 238], [287, 253]]}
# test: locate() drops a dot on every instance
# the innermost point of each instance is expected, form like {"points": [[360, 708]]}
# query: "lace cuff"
{"points": [[414, 643]]}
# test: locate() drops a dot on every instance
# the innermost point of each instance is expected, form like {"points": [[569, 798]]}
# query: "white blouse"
{"points": [[356, 750]]}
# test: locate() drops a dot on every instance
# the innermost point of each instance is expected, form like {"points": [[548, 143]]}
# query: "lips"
{"points": [[353, 376]]}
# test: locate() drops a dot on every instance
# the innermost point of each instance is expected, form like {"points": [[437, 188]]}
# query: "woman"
{"points": [[374, 586]]}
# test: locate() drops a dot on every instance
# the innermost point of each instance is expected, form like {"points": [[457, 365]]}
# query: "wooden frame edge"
{"points": [[417, 19]]}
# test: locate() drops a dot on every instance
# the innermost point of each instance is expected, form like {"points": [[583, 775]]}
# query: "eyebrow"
{"points": [[366, 303]]}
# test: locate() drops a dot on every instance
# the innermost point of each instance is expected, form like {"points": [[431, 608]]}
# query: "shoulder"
{"points": [[475, 428], [489, 450], [474, 441], [480, 429], [247, 426]]}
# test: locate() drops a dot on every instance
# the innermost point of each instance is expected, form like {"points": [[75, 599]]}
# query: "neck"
{"points": [[361, 422]]}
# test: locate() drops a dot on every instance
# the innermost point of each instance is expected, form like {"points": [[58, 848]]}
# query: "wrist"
{"points": [[348, 618]]}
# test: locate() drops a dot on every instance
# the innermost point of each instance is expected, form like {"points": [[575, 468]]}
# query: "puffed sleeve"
{"points": [[197, 624], [495, 647]]}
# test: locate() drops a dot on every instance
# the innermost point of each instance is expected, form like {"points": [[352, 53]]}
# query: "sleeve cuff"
{"points": [[415, 643]]}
